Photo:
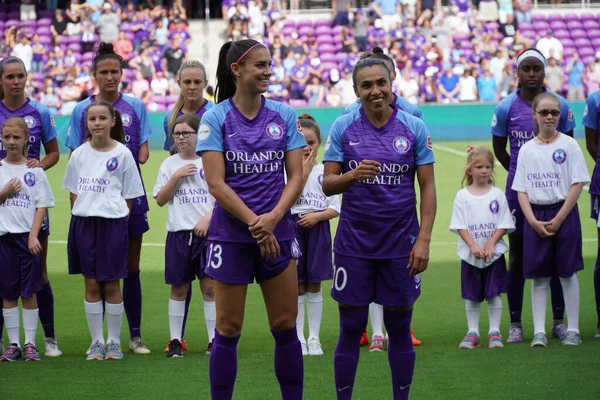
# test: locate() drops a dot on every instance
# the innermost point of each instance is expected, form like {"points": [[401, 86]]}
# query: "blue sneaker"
{"points": [[113, 351], [495, 340], [572, 339], [539, 340], [96, 352], [470, 341]]}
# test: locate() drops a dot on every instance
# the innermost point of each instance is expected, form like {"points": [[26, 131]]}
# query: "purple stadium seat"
{"points": [[541, 25], [325, 76], [339, 57], [38, 75], [305, 30], [298, 103], [337, 47], [14, 15], [78, 57], [580, 42], [596, 43], [304, 22], [43, 30], [14, 7], [170, 99], [288, 31], [327, 57], [468, 53], [554, 18], [590, 24], [571, 17], [560, 34], [10, 22], [490, 26], [130, 36], [466, 44], [575, 24], [289, 23], [555, 25], [459, 36], [73, 39], [329, 66], [76, 47], [323, 30], [568, 52], [88, 56], [45, 40], [63, 40], [322, 22], [587, 16], [567, 42], [337, 29], [326, 48], [589, 60], [29, 23], [325, 39], [87, 64], [538, 17], [578, 33], [44, 22], [49, 14], [593, 33], [586, 51], [30, 31], [523, 26]]}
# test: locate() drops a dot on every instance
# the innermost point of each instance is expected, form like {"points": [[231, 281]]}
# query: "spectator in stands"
{"points": [[209, 94], [347, 39], [457, 52], [277, 69], [333, 98], [486, 86], [341, 12], [276, 89], [345, 88], [297, 47], [409, 86], [38, 52], [351, 59], [55, 68], [468, 87], [238, 20], [88, 38], [523, 11], [378, 36], [425, 10], [360, 23], [449, 87], [160, 84], [70, 95], [575, 71], [51, 100], [429, 89], [591, 81], [59, 24], [84, 79], [51, 5], [555, 77], [519, 43], [486, 44], [124, 48], [497, 64], [144, 64], [140, 87], [463, 5], [388, 11], [508, 82], [256, 21], [477, 55], [277, 48], [315, 92], [488, 10], [108, 24], [160, 34], [143, 29], [173, 57], [70, 63], [24, 51], [274, 14], [550, 46], [28, 10], [31, 89], [299, 77], [505, 8], [315, 66]]}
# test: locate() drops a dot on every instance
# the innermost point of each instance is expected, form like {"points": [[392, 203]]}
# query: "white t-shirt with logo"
{"points": [[312, 198], [481, 216], [102, 181], [191, 200], [18, 210], [546, 172]]}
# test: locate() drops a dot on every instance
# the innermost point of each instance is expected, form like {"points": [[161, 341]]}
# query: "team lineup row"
{"points": [[237, 215]]}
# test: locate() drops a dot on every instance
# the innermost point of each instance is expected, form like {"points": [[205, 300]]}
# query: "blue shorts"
{"points": [[360, 281], [241, 263], [517, 215]]}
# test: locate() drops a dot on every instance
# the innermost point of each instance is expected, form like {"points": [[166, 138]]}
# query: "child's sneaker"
{"points": [[515, 334], [314, 347], [415, 341], [12, 353], [364, 339], [208, 348], [51, 347], [559, 330], [539, 340], [304, 348], [96, 352], [113, 352], [495, 340], [470, 341], [175, 350], [376, 343], [1, 347], [572, 339], [31, 353]]}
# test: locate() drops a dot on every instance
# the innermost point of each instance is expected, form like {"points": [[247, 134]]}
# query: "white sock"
{"points": [[539, 298], [473, 311], [570, 288], [300, 319], [114, 321], [495, 313], [93, 313], [30, 324], [176, 313], [13, 324], [376, 315], [314, 309], [210, 316]]}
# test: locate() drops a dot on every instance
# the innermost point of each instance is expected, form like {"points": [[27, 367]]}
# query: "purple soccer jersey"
{"points": [[378, 219], [254, 151], [513, 118], [136, 126], [169, 145], [42, 128]]}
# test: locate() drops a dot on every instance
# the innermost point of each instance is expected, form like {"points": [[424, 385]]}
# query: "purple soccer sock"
{"points": [[596, 286], [353, 321], [132, 302], [223, 366], [289, 365], [188, 300], [514, 294], [45, 300], [401, 353], [557, 298]]}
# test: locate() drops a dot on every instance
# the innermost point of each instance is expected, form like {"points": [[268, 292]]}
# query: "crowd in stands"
{"points": [[460, 53]]}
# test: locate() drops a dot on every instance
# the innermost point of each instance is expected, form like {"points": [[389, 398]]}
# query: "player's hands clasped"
{"points": [[263, 225], [269, 247], [367, 169]]}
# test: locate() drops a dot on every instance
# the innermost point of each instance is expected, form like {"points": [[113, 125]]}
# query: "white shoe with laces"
{"points": [[314, 347], [52, 349], [137, 346]]}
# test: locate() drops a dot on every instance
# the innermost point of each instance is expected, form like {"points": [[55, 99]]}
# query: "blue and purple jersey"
{"points": [[137, 132], [254, 154], [400, 102], [42, 128], [378, 216], [513, 118], [169, 145], [591, 114]]}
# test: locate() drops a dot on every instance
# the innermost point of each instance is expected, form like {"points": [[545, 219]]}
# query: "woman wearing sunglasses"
{"points": [[513, 123]]}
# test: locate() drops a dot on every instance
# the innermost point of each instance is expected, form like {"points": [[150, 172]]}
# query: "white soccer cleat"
{"points": [[51, 348], [314, 347], [137, 346], [304, 348]]}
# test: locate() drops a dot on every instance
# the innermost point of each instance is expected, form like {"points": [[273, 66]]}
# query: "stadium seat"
{"points": [[523, 26], [44, 22], [45, 40], [43, 30], [571, 17], [559, 34], [578, 33], [568, 42], [559, 24], [590, 24], [575, 24], [322, 22], [541, 25], [568, 52], [595, 43], [593, 33], [587, 16], [304, 22], [538, 17], [554, 18]]}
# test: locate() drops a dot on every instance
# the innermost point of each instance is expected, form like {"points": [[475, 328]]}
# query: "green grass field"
{"points": [[443, 371]]}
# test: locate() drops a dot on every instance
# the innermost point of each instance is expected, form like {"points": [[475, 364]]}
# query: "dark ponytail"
{"points": [[309, 122], [231, 53], [106, 51], [117, 132]]}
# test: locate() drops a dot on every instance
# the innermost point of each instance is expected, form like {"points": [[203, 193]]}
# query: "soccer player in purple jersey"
{"points": [[372, 156], [247, 143], [42, 131], [108, 72], [191, 78], [591, 119], [513, 123]]}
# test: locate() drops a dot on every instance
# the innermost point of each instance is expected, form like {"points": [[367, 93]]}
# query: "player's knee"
{"points": [[179, 292], [229, 327], [112, 290], [283, 322], [207, 287]]}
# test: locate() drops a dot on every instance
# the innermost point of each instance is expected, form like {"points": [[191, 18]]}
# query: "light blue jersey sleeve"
{"points": [[210, 133], [424, 147], [295, 139], [48, 124], [74, 134], [168, 141], [334, 148], [140, 110], [501, 116], [590, 113], [409, 107], [567, 120], [352, 107]]}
